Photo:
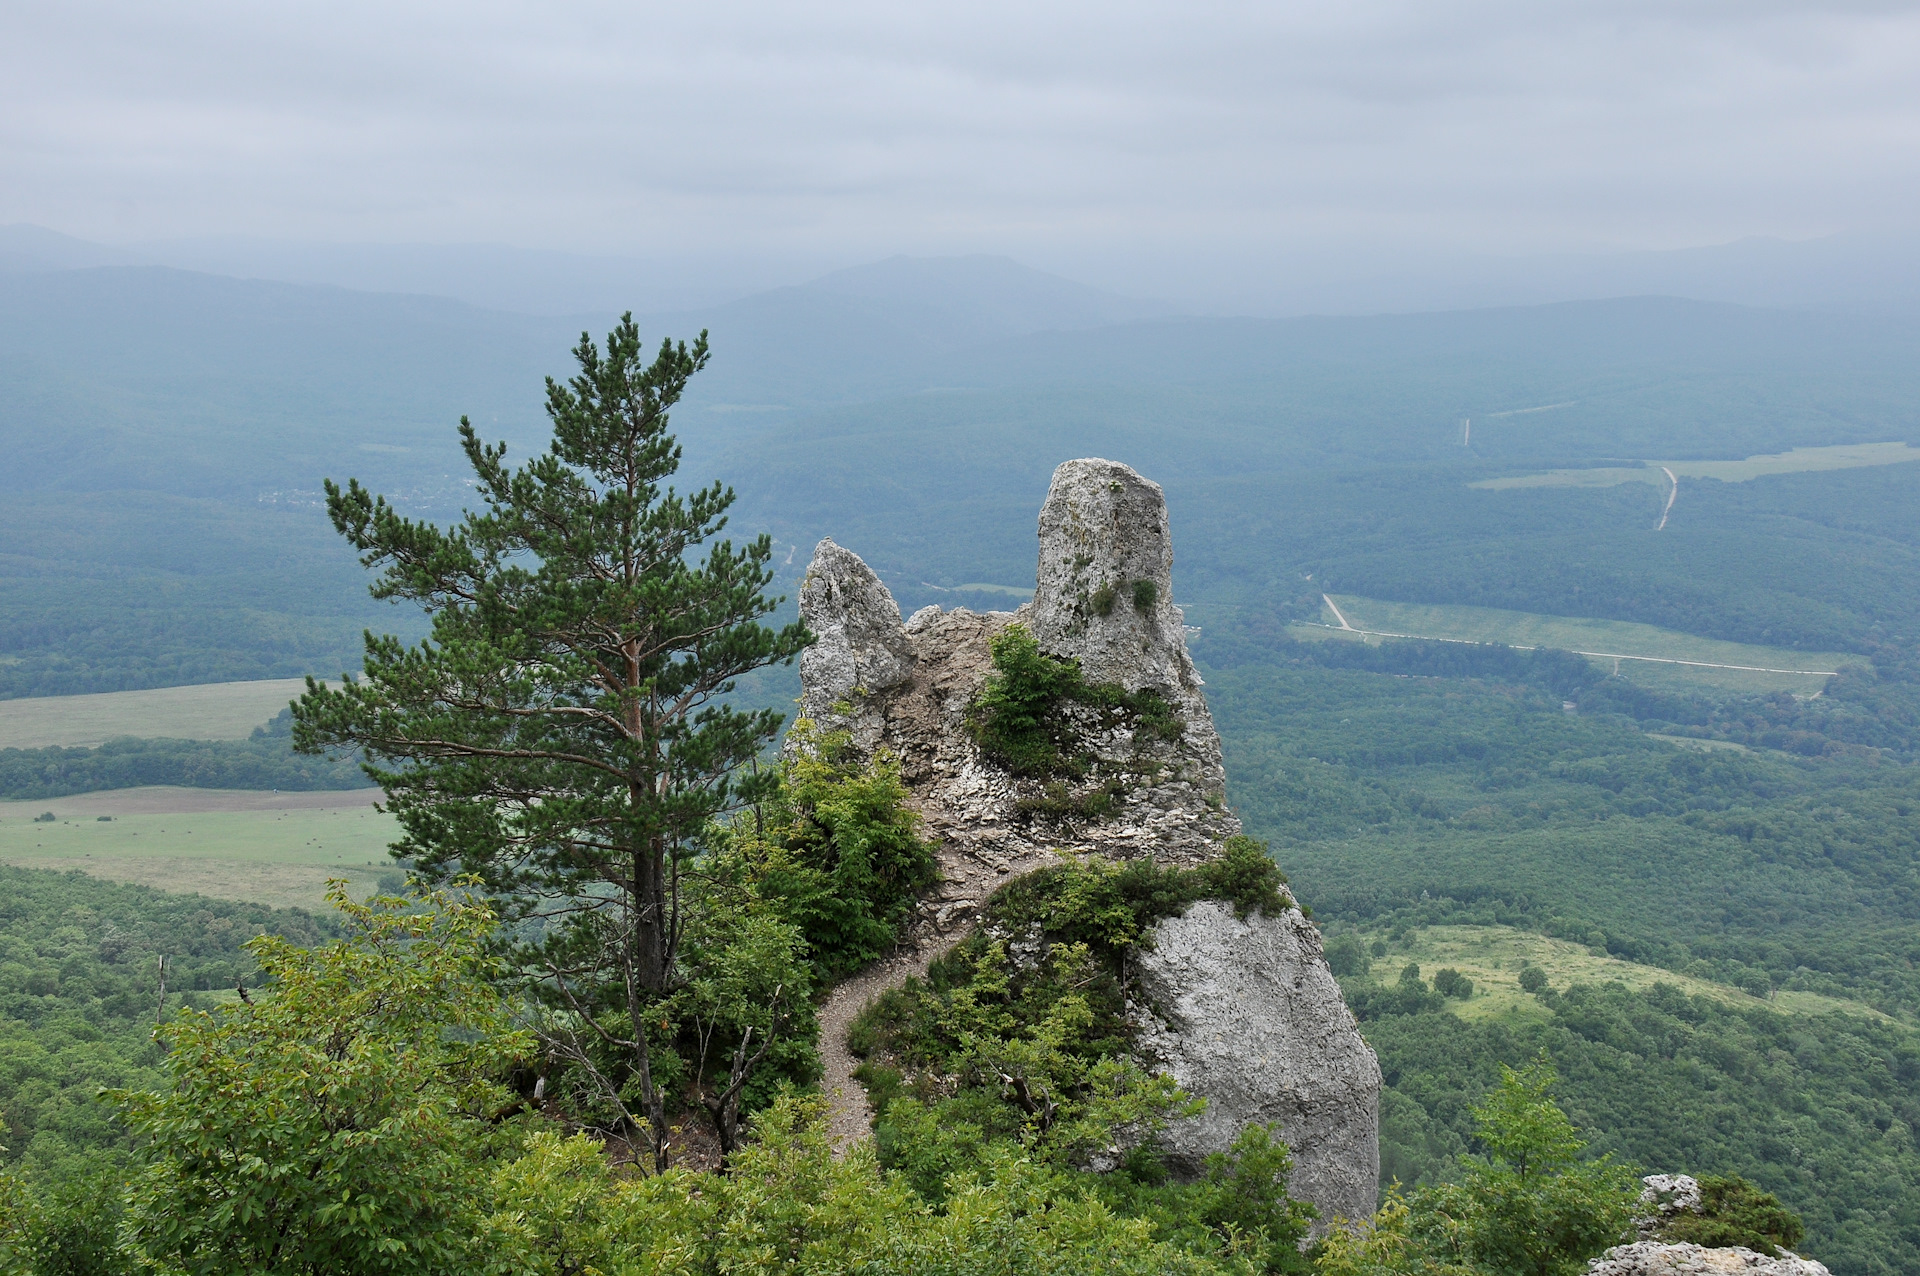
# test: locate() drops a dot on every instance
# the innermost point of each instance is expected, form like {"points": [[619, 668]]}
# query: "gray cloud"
{"points": [[1113, 137]]}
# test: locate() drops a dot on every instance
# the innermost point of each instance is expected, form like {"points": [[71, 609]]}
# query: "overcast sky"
{"points": [[1059, 132]]}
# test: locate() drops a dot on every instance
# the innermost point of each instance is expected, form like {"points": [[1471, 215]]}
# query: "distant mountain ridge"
{"points": [[1860, 272]]}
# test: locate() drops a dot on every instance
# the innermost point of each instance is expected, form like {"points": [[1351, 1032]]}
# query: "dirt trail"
{"points": [[1672, 495], [850, 1119], [945, 919]]}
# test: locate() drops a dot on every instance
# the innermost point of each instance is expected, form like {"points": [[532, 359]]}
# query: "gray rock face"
{"points": [[1104, 596], [1651, 1258], [1244, 1013], [1664, 1196], [1247, 1014], [1104, 590], [863, 651]]}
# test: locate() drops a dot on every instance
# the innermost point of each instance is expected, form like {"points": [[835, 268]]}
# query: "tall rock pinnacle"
{"points": [[1104, 591], [1240, 1010]]}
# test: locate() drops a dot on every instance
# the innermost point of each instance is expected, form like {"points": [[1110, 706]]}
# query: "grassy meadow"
{"points": [[1493, 956], [212, 711], [1641, 649], [267, 848]]}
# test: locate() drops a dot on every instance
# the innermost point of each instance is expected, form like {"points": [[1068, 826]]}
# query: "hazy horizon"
{"points": [[1224, 159]]}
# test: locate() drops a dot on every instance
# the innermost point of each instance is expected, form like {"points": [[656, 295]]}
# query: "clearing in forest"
{"points": [[1645, 654], [1493, 956], [1800, 460], [211, 711], [266, 848]]}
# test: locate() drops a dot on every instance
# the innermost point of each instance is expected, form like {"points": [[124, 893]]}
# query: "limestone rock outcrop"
{"points": [[1651, 1258], [861, 650], [907, 685], [1244, 1013], [1664, 1197], [1247, 1013]]}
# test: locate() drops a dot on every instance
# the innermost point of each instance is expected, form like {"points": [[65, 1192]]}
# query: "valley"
{"points": [[1703, 836], [276, 849]]}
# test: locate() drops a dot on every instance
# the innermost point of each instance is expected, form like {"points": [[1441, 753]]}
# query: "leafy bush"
{"points": [[1449, 982], [1111, 906], [1528, 1206], [339, 1122], [1735, 1212], [1024, 715], [1021, 1037], [836, 850], [1015, 718]]}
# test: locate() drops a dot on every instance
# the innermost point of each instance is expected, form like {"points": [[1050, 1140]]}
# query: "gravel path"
{"points": [[945, 919], [850, 1119]]}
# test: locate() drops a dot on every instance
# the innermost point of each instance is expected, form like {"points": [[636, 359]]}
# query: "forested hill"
{"points": [[161, 514]]}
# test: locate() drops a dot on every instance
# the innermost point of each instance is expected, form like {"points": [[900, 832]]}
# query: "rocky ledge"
{"points": [[1243, 1012], [1652, 1258]]}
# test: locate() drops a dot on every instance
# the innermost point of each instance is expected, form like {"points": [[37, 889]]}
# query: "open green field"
{"points": [[1011, 591], [1800, 460], [214, 711], [1493, 956], [1645, 654], [268, 848]]}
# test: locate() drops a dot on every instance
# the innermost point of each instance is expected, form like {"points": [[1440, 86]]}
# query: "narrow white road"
{"points": [[1336, 614], [1670, 498]]}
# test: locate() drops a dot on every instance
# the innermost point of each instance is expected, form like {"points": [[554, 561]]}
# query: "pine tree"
{"points": [[563, 734]]}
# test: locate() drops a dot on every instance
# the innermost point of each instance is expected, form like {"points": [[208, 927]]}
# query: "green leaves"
{"points": [[1531, 1207], [1015, 717], [1735, 1212], [835, 849], [335, 1120]]}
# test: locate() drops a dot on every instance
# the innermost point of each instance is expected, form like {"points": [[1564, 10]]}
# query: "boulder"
{"points": [[862, 650], [1246, 1013]]}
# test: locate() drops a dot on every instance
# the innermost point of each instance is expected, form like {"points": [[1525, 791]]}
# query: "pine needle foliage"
{"points": [[563, 734]]}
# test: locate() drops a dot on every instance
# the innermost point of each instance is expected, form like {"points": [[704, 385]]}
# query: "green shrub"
{"points": [[1022, 716], [1533, 979], [1015, 719], [1735, 1212], [340, 1122], [1239, 1206], [836, 850], [1449, 982], [1145, 595], [1023, 1034], [1104, 598], [1530, 1206]]}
